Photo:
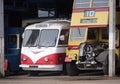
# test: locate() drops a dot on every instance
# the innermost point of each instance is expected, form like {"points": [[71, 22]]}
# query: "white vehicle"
{"points": [[44, 46]]}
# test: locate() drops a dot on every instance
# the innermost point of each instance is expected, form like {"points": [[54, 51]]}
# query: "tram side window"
{"points": [[64, 32], [12, 41], [100, 3], [117, 3], [105, 35], [94, 3], [82, 3], [92, 34]]}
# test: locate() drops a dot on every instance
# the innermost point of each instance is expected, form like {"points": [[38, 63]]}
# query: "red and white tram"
{"points": [[44, 46]]}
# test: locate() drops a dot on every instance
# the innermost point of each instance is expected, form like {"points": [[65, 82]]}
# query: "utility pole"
{"points": [[112, 36], [1, 39]]}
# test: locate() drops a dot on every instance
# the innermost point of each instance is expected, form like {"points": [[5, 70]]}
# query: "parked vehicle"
{"points": [[88, 37], [44, 46], [13, 40]]}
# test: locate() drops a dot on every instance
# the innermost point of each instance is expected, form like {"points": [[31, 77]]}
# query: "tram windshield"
{"points": [[43, 38], [31, 37], [77, 34], [48, 37]]}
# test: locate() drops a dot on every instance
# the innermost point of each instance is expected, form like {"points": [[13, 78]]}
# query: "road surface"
{"points": [[26, 79]]}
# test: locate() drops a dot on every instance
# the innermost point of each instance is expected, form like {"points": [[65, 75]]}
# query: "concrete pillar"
{"points": [[1, 39], [112, 36]]}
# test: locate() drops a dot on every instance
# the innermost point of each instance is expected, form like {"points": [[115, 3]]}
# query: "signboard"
{"points": [[91, 17]]}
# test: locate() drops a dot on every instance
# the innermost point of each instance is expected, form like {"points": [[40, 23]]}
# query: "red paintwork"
{"points": [[5, 65], [52, 59], [74, 47], [90, 26], [88, 9]]}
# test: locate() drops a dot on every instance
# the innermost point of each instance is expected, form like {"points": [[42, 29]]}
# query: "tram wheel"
{"points": [[71, 69]]}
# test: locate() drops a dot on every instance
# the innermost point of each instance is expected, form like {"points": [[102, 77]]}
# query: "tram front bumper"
{"points": [[42, 67]]}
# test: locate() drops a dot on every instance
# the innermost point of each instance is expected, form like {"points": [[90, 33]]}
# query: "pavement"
{"points": [[59, 79]]}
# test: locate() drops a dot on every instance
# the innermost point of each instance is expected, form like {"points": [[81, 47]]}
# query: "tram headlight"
{"points": [[46, 59], [24, 58], [60, 58], [73, 55]]}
